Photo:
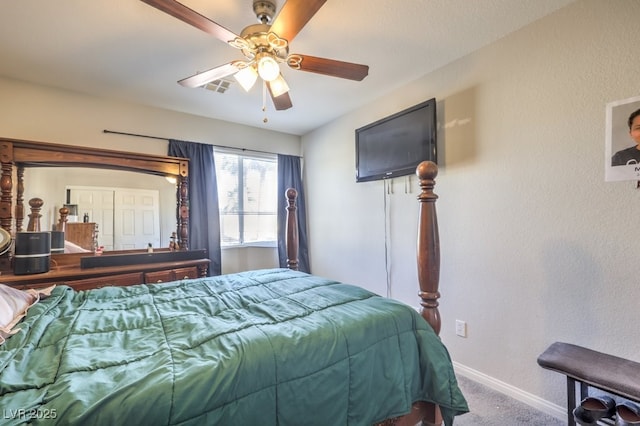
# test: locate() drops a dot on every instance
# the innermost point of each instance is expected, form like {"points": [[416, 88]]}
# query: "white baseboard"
{"points": [[512, 391]]}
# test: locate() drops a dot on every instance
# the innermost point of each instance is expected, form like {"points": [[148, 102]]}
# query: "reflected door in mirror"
{"points": [[127, 218]]}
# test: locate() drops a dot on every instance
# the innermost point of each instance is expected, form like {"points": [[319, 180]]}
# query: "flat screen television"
{"points": [[395, 145]]}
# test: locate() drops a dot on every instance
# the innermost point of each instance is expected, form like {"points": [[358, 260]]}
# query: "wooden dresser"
{"points": [[86, 279], [83, 234], [85, 271]]}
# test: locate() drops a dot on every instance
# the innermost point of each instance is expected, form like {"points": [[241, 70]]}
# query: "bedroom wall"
{"points": [[536, 247], [51, 115]]}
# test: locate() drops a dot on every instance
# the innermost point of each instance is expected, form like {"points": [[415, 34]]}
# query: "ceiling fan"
{"points": [[265, 46]]}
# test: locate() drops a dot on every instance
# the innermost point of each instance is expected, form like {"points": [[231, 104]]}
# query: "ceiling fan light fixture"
{"points": [[246, 77], [278, 86], [265, 46], [268, 67]]}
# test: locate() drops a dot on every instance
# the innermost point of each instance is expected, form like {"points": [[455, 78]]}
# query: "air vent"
{"points": [[219, 86]]}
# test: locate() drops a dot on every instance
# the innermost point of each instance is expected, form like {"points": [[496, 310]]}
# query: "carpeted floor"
{"points": [[490, 408]]}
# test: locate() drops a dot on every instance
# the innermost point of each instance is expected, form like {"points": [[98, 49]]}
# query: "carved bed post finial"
{"points": [[292, 230], [62, 222], [34, 217], [428, 250]]}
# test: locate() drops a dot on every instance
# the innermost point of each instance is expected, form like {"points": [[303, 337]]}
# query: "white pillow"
{"points": [[13, 307]]}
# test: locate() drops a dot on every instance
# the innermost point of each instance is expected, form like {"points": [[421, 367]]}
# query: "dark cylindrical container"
{"points": [[57, 242], [32, 253]]}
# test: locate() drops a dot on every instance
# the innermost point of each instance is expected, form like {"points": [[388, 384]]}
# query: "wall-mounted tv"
{"points": [[395, 145]]}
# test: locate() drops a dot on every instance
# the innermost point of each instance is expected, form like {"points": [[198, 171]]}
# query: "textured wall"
{"points": [[536, 247]]}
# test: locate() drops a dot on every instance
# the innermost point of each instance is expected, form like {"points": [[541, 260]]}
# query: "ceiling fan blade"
{"points": [[205, 77], [191, 17], [294, 15], [330, 67], [281, 102]]}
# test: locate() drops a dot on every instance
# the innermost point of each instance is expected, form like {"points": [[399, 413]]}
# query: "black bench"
{"points": [[590, 368]]}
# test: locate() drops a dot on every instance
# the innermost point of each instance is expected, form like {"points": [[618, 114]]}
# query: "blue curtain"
{"points": [[290, 176], [204, 217]]}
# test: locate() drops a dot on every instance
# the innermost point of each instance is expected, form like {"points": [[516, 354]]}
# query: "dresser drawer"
{"points": [[99, 282], [113, 275], [159, 277], [186, 273], [171, 275], [36, 286]]}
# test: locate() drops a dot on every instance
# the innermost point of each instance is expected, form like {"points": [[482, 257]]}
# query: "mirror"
{"points": [[17, 157], [52, 183]]}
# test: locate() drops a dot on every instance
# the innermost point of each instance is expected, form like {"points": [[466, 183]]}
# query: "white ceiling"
{"points": [[128, 50]]}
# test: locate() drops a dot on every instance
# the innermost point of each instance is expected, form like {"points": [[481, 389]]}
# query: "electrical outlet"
{"points": [[461, 328]]}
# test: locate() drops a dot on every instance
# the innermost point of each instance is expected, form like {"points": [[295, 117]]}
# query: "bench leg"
{"points": [[571, 400], [584, 390]]}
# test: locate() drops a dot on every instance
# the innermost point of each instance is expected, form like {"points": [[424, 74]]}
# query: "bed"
{"points": [[273, 346]]}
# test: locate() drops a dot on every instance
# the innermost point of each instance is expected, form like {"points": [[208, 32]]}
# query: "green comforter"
{"points": [[269, 347]]}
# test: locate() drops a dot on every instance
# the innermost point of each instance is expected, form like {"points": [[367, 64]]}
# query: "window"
{"points": [[247, 195]]}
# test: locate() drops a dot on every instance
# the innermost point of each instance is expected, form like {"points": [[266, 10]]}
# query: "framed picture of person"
{"points": [[622, 147]]}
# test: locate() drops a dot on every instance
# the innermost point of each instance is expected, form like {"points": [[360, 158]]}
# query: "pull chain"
{"points": [[264, 101]]}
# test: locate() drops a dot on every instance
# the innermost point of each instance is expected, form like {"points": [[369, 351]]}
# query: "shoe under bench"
{"points": [[589, 368]]}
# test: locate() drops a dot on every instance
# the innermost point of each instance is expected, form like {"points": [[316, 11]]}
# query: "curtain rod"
{"points": [[166, 139]]}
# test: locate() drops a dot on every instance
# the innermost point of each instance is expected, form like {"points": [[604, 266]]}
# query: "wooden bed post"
{"points": [[62, 221], [292, 229], [428, 257], [428, 250], [34, 217]]}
